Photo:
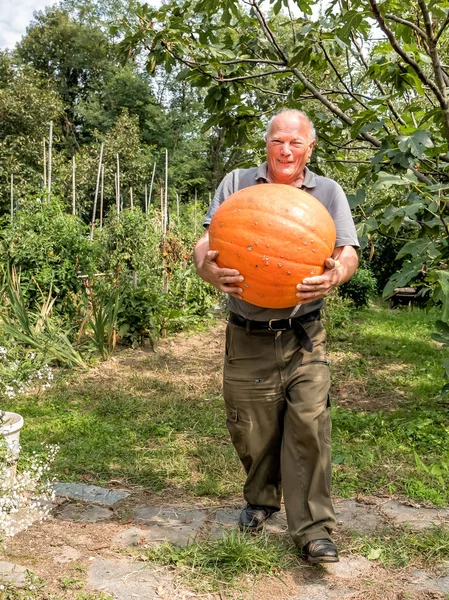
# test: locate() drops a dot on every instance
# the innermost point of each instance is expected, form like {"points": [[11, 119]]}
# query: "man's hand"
{"points": [[226, 280], [338, 269]]}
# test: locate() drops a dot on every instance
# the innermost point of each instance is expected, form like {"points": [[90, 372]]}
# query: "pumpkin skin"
{"points": [[275, 235]]}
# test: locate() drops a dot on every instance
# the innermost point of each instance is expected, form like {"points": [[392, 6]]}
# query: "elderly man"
{"points": [[276, 384]]}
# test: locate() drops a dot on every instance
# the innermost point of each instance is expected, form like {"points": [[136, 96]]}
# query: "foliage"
{"points": [[36, 329], [378, 103], [27, 105], [49, 247], [360, 288]]}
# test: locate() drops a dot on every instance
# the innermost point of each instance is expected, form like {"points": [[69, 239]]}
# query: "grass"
{"points": [[400, 547], [157, 420], [215, 564]]}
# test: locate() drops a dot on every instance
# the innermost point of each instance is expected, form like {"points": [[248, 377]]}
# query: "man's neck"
{"points": [[297, 183]]}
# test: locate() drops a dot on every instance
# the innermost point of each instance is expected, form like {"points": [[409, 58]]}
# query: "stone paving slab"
{"points": [[416, 518], [174, 525], [89, 493], [357, 516], [423, 581], [12, 574], [90, 513], [126, 580]]}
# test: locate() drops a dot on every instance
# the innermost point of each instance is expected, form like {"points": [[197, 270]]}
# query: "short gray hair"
{"points": [[296, 113]]}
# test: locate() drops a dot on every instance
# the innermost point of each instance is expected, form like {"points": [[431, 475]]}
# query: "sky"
{"points": [[15, 16]]}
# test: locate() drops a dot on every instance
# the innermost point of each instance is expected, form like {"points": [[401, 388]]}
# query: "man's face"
{"points": [[288, 148]]}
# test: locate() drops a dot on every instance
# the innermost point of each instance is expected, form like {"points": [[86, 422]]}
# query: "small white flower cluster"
{"points": [[25, 496], [20, 376]]}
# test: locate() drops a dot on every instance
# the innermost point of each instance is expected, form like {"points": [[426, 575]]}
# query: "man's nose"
{"points": [[285, 148]]}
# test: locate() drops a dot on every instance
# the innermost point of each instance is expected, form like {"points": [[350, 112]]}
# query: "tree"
{"points": [[381, 104], [27, 105]]}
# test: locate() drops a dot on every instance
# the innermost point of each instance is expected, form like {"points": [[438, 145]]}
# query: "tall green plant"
{"points": [[35, 329]]}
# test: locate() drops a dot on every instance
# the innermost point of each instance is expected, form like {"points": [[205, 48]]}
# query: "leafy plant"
{"points": [[36, 329], [360, 288]]}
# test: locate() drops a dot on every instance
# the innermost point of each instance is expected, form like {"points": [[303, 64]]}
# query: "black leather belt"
{"points": [[295, 323]]}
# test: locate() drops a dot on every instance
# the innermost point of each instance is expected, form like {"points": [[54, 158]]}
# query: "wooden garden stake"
{"points": [[146, 198], [100, 162], [12, 197], [101, 196], [131, 197], [194, 212], [177, 209], [50, 148], [118, 184], [166, 192], [73, 186], [45, 164], [151, 185]]}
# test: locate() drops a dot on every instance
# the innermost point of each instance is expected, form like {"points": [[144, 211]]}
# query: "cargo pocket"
{"points": [[235, 429], [327, 425]]}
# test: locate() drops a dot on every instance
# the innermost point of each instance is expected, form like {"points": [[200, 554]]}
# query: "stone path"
{"points": [[123, 578]]}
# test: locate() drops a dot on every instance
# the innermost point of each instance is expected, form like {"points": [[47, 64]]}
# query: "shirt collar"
{"points": [[309, 176]]}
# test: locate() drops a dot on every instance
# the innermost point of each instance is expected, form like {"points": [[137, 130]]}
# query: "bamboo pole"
{"points": [[101, 196], [166, 191], [50, 149], [118, 184], [100, 162], [151, 185], [131, 200], [177, 209], [146, 198], [162, 213], [116, 193], [73, 186], [45, 164], [12, 197], [194, 212]]}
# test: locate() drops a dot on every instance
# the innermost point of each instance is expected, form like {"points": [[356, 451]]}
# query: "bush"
{"points": [[360, 288]]}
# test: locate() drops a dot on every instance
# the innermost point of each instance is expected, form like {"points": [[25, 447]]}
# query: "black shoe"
{"points": [[253, 517], [320, 551]]}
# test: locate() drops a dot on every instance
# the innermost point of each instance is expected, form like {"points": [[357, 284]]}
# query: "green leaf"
{"points": [[374, 554], [387, 180], [443, 280], [404, 276], [414, 247]]}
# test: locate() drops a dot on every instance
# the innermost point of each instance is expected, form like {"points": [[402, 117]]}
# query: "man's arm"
{"points": [[338, 269], [226, 280]]}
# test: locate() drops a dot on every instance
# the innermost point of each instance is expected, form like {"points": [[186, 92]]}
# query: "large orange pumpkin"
{"points": [[275, 235]]}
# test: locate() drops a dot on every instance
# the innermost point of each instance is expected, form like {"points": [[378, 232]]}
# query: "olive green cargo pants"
{"points": [[277, 407]]}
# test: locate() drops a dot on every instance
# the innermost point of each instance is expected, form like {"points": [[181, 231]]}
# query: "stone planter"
{"points": [[10, 427]]}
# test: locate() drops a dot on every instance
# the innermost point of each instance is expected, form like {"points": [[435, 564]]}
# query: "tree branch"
{"points": [[339, 77], [409, 24], [442, 28], [379, 86], [405, 57]]}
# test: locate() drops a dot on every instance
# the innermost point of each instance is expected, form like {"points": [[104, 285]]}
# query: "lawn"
{"points": [[156, 420]]}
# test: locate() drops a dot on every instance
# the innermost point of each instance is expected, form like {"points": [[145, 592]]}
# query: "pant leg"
{"points": [[255, 405], [306, 447]]}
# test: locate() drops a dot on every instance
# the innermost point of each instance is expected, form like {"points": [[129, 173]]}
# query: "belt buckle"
{"points": [[270, 327]]}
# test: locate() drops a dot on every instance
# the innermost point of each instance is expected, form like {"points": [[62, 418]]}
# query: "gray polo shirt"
{"points": [[326, 190]]}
